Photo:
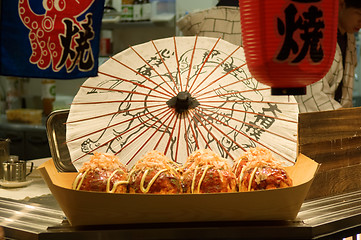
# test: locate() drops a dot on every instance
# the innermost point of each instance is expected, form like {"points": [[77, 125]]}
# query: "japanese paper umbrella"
{"points": [[176, 95]]}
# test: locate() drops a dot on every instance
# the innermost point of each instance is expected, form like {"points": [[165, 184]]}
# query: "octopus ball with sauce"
{"points": [[205, 172], [257, 169], [155, 173], [103, 173]]}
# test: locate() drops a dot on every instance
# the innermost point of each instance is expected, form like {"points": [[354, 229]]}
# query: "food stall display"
{"points": [[169, 118], [281, 210]]}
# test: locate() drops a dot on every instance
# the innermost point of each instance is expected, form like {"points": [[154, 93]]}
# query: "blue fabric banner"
{"points": [[56, 39]]}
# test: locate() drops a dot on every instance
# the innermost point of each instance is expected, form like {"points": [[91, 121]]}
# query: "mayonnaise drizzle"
{"points": [[194, 179], [116, 184], [145, 190], [241, 177], [80, 178], [79, 181], [201, 179], [251, 178], [237, 165]]}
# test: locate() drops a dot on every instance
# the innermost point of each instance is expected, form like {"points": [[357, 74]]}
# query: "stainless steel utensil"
{"points": [[56, 131], [15, 169], [4, 154]]}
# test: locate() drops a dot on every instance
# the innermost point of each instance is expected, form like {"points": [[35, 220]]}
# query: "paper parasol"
{"points": [[176, 95]]}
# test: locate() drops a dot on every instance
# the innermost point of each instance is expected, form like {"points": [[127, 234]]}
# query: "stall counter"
{"points": [[334, 217]]}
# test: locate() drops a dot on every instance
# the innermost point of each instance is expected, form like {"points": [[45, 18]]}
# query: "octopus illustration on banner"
{"points": [[177, 95], [61, 36]]}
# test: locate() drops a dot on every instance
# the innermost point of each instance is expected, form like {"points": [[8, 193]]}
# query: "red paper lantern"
{"points": [[289, 44]]}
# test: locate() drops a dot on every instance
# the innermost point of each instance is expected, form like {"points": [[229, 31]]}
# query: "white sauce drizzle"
{"points": [[194, 179], [80, 178], [201, 180], [237, 165], [251, 178], [116, 184], [145, 190], [240, 178], [76, 181], [79, 181]]}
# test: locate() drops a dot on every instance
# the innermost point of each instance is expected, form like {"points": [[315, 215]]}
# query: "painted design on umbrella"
{"points": [[177, 95]]}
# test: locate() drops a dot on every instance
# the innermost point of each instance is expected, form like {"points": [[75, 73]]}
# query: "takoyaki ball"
{"points": [[250, 155], [206, 172], [261, 172], [154, 173], [103, 173]]}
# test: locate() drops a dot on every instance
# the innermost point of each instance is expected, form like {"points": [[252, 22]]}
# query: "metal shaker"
{"points": [[15, 169], [4, 154]]}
